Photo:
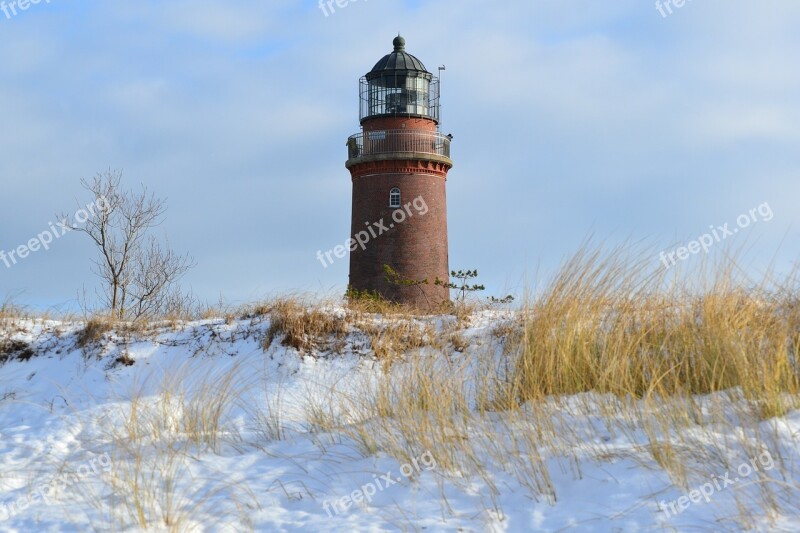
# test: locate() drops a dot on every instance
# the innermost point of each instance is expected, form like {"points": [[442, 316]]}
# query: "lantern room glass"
{"points": [[404, 93]]}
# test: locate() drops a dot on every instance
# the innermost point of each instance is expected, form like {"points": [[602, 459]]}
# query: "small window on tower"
{"points": [[394, 197]]}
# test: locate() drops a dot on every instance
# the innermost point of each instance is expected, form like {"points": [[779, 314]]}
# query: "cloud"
{"points": [[569, 117]]}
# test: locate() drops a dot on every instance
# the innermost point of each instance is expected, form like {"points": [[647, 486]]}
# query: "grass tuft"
{"points": [[304, 327]]}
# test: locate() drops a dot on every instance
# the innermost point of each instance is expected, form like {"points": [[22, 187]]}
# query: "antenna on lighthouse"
{"points": [[439, 91]]}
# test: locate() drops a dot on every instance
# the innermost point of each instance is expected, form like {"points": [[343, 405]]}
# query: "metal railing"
{"points": [[380, 142]]}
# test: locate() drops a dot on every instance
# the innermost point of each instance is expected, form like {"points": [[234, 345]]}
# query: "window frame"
{"points": [[395, 197]]}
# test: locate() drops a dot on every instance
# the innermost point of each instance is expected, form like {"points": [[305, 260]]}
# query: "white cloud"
{"points": [[590, 115]]}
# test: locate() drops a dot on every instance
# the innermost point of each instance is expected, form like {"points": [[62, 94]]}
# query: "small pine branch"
{"points": [[395, 278], [463, 286]]}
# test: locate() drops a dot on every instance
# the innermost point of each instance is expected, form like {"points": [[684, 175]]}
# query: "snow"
{"points": [[64, 452]]}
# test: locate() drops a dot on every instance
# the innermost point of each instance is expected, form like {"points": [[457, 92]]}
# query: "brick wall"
{"points": [[415, 246]]}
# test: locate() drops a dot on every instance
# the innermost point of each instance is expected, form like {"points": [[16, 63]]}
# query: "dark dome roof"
{"points": [[398, 60]]}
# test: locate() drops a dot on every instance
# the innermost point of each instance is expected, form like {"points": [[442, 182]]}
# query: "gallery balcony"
{"points": [[398, 144]]}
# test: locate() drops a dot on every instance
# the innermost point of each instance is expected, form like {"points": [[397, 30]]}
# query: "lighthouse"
{"points": [[398, 164]]}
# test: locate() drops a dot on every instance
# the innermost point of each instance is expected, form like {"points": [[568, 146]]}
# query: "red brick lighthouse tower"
{"points": [[399, 164]]}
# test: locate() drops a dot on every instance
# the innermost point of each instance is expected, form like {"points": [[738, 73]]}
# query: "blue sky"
{"points": [[570, 118]]}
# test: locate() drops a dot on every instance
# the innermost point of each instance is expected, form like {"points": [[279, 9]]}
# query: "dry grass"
{"points": [[187, 405], [169, 417], [373, 304], [392, 339], [304, 327], [15, 350], [607, 324], [94, 331], [323, 326], [9, 310]]}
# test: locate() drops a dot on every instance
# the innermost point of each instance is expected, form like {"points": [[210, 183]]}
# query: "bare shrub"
{"points": [[139, 274]]}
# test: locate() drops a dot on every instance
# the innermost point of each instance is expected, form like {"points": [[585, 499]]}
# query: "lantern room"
{"points": [[399, 86]]}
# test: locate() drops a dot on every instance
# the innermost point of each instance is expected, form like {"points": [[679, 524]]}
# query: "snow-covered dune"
{"points": [[210, 426]]}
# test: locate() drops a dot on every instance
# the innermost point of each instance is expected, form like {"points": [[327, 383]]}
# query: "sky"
{"points": [[571, 118]]}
